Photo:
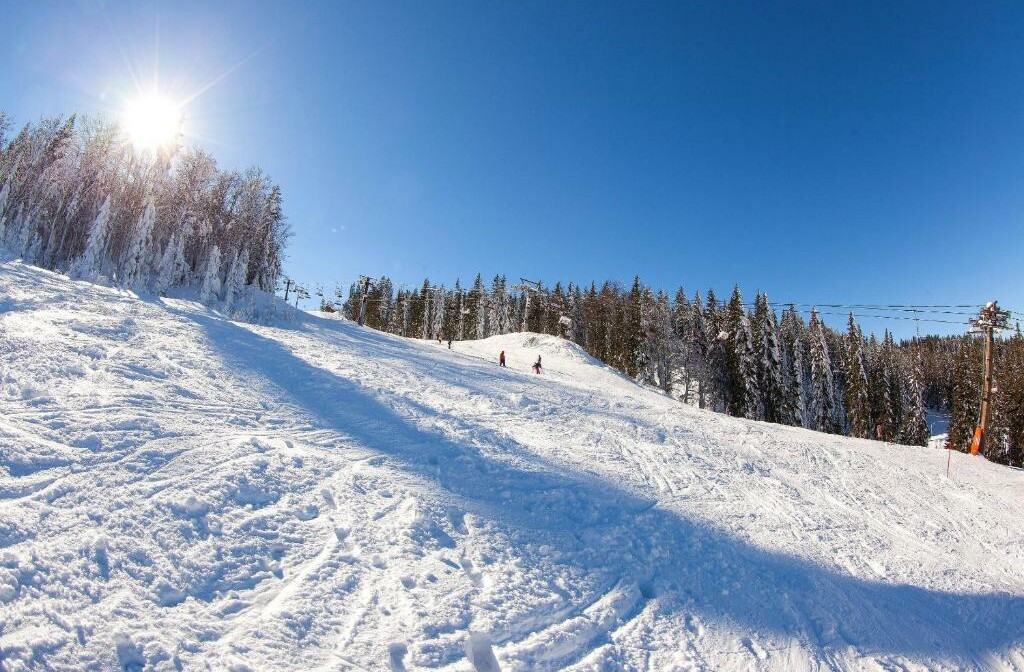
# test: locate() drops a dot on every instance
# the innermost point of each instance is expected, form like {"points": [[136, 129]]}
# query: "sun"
{"points": [[152, 122]]}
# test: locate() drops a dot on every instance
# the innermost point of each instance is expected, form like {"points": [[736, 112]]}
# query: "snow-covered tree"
{"points": [[173, 268], [234, 286], [823, 409], [768, 354], [139, 257], [914, 424], [858, 406], [210, 289], [90, 263], [744, 398], [795, 380], [497, 307], [75, 197], [476, 319], [963, 413]]}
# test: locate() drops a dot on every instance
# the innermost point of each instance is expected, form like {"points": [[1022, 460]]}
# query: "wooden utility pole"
{"points": [[990, 318], [365, 282], [528, 286]]}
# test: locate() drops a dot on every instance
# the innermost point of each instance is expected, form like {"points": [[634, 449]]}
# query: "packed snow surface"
{"points": [[179, 491]]}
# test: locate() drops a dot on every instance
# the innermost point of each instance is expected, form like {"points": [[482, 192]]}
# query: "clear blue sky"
{"points": [[822, 152]]}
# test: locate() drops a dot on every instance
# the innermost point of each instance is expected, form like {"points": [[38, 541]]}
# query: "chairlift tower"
{"points": [[990, 318], [364, 283], [530, 287]]}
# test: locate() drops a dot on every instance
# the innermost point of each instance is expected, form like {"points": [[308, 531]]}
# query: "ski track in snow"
{"points": [[178, 491]]}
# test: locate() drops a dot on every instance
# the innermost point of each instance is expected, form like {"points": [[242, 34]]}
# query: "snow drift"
{"points": [[179, 491]]}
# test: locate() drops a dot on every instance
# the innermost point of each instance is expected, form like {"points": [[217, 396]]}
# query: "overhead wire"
{"points": [[889, 317], [904, 308]]}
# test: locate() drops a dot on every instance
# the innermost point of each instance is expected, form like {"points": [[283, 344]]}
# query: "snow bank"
{"points": [[178, 491]]}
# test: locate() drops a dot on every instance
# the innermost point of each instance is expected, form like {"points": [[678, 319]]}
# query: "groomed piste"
{"points": [[180, 491]]}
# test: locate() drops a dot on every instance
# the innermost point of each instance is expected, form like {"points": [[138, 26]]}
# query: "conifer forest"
{"points": [[755, 360]]}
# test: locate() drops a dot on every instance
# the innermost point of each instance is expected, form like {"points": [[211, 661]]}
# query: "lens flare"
{"points": [[152, 122]]}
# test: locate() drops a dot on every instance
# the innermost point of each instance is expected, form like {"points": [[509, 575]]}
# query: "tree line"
{"points": [[76, 197], [737, 357]]}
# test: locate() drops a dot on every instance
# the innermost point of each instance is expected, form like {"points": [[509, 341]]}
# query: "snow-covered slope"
{"points": [[183, 492]]}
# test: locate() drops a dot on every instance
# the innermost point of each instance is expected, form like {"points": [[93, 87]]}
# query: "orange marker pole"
{"points": [[976, 442]]}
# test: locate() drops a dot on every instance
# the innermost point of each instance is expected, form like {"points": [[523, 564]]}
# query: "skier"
{"points": [[536, 365], [449, 344], [501, 359]]}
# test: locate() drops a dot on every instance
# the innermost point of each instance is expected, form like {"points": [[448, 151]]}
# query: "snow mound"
{"points": [[556, 347], [180, 491], [559, 357]]}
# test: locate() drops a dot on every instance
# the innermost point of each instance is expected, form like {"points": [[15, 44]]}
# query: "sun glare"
{"points": [[152, 122]]}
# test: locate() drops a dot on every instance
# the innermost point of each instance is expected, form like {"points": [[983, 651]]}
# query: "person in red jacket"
{"points": [[501, 359]]}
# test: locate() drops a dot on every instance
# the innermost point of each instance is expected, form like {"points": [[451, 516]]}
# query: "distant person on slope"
{"points": [[536, 365], [501, 359]]}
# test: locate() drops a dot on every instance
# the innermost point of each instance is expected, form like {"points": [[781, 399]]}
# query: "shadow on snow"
{"points": [[700, 569]]}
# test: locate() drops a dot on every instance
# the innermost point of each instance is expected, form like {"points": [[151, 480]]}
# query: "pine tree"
{"points": [[497, 306], [460, 312], [914, 425], [768, 354], [743, 398], [753, 404], [450, 316], [476, 319], [555, 306], [635, 351], [888, 399], [578, 328], [419, 309], [858, 406], [666, 351], [697, 346], [437, 305], [614, 313], [794, 380], [822, 392], [681, 337], [717, 374], [963, 415], [1009, 403], [595, 338], [378, 303], [401, 315]]}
